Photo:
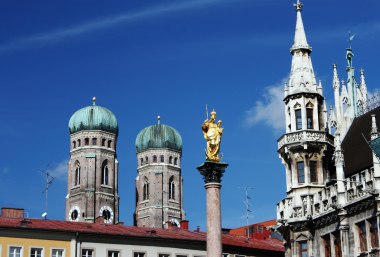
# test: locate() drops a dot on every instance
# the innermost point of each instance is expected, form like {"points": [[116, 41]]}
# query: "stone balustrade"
{"points": [[303, 137]]}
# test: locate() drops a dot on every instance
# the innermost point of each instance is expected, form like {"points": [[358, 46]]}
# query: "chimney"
{"points": [[184, 224], [12, 213], [198, 229]]}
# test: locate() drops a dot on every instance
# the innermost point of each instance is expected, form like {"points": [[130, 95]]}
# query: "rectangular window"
{"points": [[362, 236], [374, 236], [302, 249], [163, 255], [94, 141], [14, 251], [138, 254], [309, 115], [113, 254], [301, 172], [250, 230], [259, 229], [298, 119], [327, 245], [180, 255], [337, 245], [313, 172], [36, 252], [57, 253], [87, 253]]}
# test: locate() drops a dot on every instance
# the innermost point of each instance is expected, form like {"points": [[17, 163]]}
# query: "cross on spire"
{"points": [[298, 6]]}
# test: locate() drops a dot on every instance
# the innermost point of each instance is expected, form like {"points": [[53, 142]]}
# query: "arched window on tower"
{"points": [[78, 142], [162, 158], [109, 143], [171, 188], [74, 144], [86, 141], [171, 160], [154, 158], [146, 189], [94, 141], [77, 174], [298, 115], [105, 173], [146, 159], [141, 161], [175, 161], [103, 142]]}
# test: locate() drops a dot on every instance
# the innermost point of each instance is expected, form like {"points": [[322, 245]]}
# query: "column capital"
{"points": [[212, 172]]}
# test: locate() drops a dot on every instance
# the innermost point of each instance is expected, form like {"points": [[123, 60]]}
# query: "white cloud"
{"points": [[269, 110], [5, 170], [91, 26], [59, 171]]}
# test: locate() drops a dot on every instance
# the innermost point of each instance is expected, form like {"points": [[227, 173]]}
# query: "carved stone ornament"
{"points": [[361, 206], [212, 172]]}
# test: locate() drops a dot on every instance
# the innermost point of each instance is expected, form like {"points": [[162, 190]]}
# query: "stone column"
{"points": [[212, 173]]}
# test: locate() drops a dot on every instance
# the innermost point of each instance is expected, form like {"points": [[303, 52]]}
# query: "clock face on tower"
{"points": [[74, 213], [107, 213]]}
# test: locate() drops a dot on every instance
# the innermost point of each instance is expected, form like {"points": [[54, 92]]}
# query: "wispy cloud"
{"points": [[5, 170], [104, 23], [59, 170], [269, 110]]}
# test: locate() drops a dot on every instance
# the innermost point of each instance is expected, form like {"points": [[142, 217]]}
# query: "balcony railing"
{"points": [[305, 136]]}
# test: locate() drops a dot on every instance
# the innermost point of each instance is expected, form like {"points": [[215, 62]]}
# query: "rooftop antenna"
{"points": [[49, 180], [247, 206]]}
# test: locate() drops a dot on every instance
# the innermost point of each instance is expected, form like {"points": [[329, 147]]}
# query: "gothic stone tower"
{"points": [[93, 167], [159, 180], [306, 143]]}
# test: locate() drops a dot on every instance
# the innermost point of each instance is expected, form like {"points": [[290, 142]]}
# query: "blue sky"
{"points": [[169, 58]]}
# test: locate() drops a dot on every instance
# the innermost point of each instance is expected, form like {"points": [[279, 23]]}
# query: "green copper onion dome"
{"points": [[158, 136], [93, 118]]}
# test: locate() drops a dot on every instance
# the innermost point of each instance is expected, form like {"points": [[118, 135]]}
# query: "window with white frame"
{"points": [[163, 255], [35, 252], [57, 253], [138, 254], [113, 254], [87, 252], [15, 251]]}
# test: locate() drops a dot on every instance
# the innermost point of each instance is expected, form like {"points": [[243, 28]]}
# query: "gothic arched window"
{"points": [[77, 174], [105, 173], [171, 188], [146, 189]]}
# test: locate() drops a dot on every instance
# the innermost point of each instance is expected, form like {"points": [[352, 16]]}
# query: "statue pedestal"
{"points": [[212, 173]]}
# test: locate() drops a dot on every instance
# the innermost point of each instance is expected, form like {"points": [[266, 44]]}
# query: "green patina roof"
{"points": [[158, 136], [93, 118]]}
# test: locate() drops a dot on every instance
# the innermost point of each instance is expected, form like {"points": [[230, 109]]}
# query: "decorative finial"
{"points": [[298, 6], [94, 100], [158, 119]]}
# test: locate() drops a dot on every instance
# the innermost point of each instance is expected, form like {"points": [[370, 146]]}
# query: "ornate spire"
{"points": [[302, 78], [300, 41], [374, 131], [336, 84], [363, 86]]}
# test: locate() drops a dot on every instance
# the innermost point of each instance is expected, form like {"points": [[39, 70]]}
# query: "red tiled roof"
{"points": [[130, 231]]}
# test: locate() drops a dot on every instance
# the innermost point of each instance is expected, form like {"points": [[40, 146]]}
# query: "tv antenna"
{"points": [[247, 205], [49, 180]]}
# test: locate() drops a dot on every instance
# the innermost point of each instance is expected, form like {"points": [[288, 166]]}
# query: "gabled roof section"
{"points": [[121, 231], [357, 153]]}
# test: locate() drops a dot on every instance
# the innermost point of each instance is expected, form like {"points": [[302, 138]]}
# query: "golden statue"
{"points": [[212, 132]]}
